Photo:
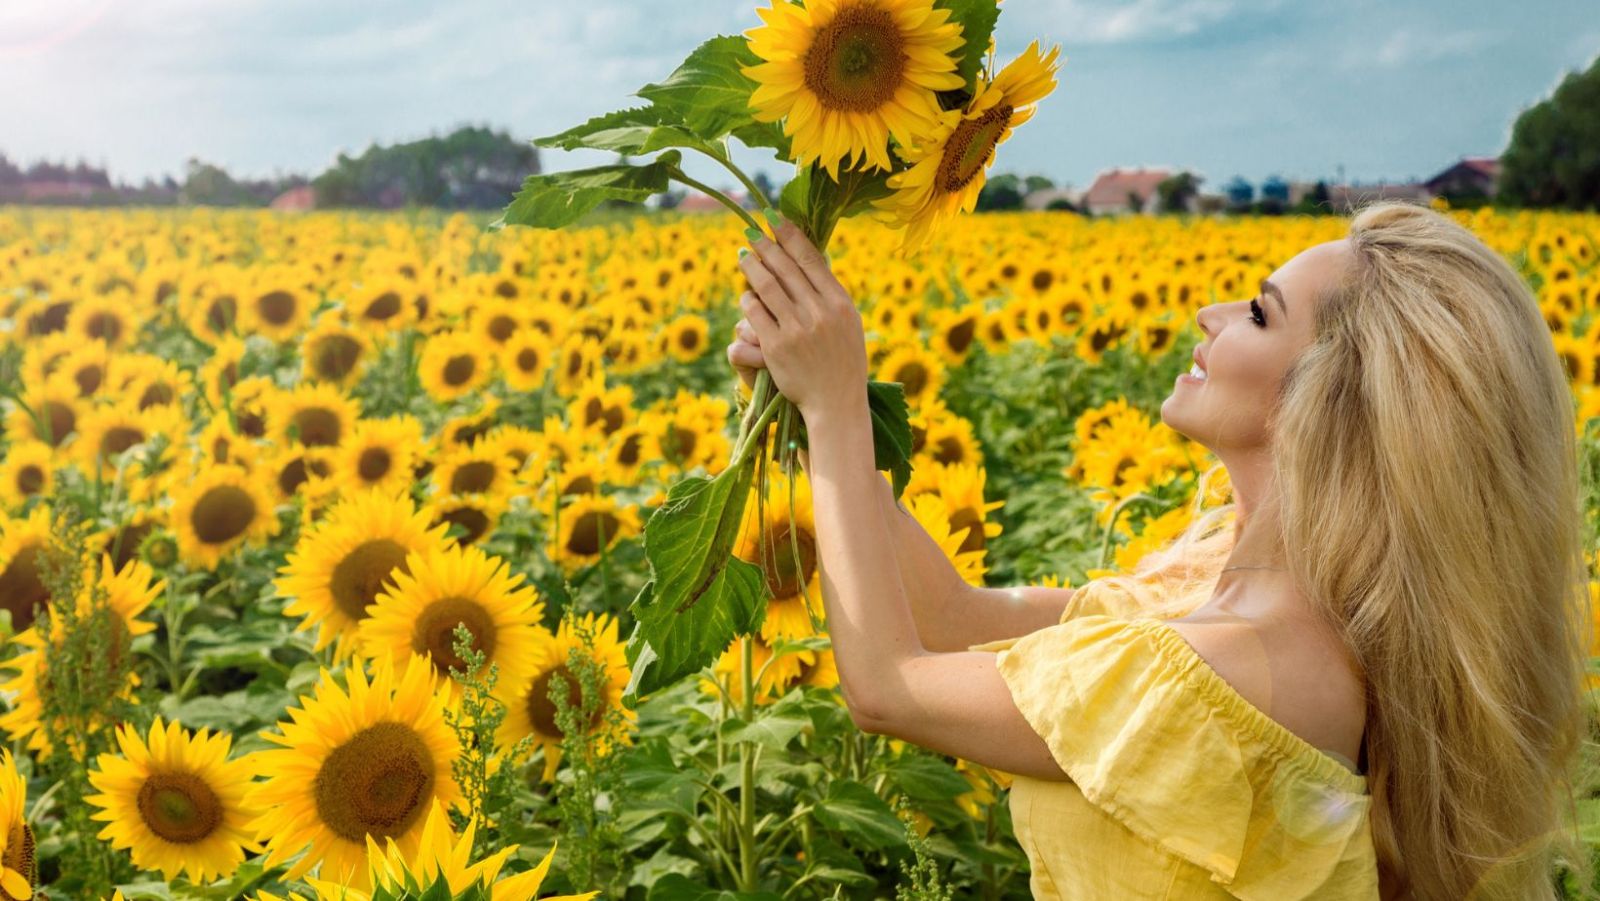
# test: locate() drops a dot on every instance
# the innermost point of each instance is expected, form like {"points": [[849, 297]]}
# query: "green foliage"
{"points": [[588, 797], [562, 198], [484, 771], [708, 93], [921, 877], [82, 683], [699, 596], [470, 168], [1553, 159], [977, 19]]}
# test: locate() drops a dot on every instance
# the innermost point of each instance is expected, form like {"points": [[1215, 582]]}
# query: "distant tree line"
{"points": [[1554, 156], [471, 168]]}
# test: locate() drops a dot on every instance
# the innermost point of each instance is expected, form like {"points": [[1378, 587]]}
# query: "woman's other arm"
{"points": [[950, 614]]}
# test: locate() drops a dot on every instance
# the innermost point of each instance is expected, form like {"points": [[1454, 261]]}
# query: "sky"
{"points": [[1303, 90]]}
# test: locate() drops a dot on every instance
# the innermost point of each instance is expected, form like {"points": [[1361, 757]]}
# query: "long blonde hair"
{"points": [[1426, 468]]}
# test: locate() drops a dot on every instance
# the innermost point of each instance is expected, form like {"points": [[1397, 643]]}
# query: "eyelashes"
{"points": [[1258, 315]]}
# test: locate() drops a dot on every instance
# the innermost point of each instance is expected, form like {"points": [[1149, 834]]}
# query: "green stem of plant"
{"points": [[747, 772], [755, 190], [1105, 542], [757, 430], [714, 194]]}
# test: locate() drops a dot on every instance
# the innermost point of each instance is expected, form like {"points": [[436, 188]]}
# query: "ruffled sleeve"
{"points": [[1153, 736]]}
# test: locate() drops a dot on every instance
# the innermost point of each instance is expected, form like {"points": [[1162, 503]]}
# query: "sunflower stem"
{"points": [[758, 429], [747, 772], [755, 190], [677, 174]]}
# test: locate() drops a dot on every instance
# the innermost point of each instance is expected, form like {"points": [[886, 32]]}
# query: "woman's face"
{"points": [[1248, 347]]}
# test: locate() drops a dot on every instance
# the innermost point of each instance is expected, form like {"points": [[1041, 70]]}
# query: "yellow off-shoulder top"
{"points": [[1180, 788]]}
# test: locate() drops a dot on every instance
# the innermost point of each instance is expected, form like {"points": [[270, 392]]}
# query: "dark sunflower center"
{"points": [[123, 545], [960, 335], [688, 339], [335, 356], [528, 360], [629, 451], [374, 463], [966, 518], [61, 420], [118, 439], [89, 379], [857, 61], [786, 579], [376, 784], [157, 394], [458, 370], [474, 521], [19, 855], [591, 531], [363, 574], [222, 514], [542, 711], [501, 328], [277, 307], [680, 443], [596, 411], [221, 312], [914, 377], [969, 148], [950, 450], [21, 588], [475, 477], [384, 306], [317, 426], [179, 807], [105, 326], [30, 480], [435, 632]]}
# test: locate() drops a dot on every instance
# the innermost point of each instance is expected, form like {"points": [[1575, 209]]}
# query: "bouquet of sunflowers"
{"points": [[888, 108]]}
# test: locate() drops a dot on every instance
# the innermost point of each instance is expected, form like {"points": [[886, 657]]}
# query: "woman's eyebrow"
{"points": [[1267, 287]]}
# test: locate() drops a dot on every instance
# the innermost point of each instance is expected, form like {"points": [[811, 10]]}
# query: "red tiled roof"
{"points": [[1488, 165], [296, 199], [1111, 188]]}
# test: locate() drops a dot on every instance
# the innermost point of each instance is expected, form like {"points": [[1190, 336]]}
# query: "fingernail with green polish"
{"points": [[754, 234], [772, 217], [744, 252]]}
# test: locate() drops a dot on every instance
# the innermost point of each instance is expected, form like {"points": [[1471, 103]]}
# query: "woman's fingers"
{"points": [[744, 332], [809, 260], [756, 313], [771, 291]]}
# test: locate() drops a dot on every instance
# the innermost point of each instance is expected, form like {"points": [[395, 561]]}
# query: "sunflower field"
{"points": [[318, 536]]}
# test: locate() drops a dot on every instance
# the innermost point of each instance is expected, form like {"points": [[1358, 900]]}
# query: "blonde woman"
{"points": [[1359, 680]]}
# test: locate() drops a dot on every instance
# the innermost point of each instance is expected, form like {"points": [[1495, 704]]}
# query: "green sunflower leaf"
{"points": [[558, 199], [700, 596], [891, 432], [677, 887], [853, 810], [977, 18], [634, 132], [708, 94]]}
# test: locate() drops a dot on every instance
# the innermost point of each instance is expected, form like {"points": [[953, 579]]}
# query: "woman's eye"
{"points": [[1257, 314]]}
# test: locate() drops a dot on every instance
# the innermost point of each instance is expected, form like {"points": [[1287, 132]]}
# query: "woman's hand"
{"points": [[801, 324]]}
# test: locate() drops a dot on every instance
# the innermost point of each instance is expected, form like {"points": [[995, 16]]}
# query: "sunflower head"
{"points": [[845, 75]]}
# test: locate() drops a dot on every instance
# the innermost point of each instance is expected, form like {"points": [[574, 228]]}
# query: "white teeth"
{"points": [[1196, 371]]}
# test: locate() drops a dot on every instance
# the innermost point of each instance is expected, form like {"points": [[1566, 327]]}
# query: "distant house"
{"points": [[36, 191], [696, 202], [1471, 175], [1042, 199], [1120, 190], [1347, 198], [295, 200]]}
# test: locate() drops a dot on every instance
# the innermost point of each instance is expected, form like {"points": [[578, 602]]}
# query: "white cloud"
{"points": [[1112, 22], [1409, 46]]}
